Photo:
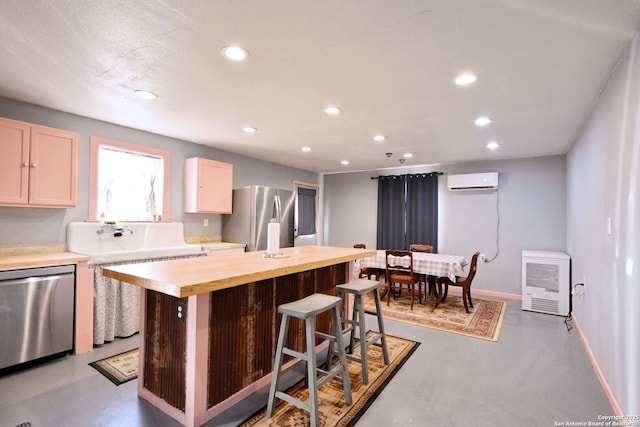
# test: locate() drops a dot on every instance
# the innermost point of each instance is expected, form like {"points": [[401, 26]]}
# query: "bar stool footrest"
{"points": [[326, 337], [292, 400], [372, 337], [295, 354], [326, 376], [376, 337]]}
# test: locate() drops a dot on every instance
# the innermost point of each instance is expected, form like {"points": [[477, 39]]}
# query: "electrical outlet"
{"points": [[180, 311], [206, 222]]}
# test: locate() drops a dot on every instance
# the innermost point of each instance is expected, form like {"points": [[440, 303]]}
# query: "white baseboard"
{"points": [[603, 381], [458, 291]]}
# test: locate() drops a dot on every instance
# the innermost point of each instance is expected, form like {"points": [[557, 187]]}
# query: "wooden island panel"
{"points": [[238, 349], [165, 348], [245, 323]]}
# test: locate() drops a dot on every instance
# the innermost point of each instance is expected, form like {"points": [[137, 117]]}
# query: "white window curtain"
{"points": [[130, 185]]}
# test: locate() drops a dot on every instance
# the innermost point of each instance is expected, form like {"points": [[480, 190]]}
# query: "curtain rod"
{"points": [[410, 175]]}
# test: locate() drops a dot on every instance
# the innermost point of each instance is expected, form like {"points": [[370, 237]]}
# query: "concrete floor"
{"points": [[537, 374]]}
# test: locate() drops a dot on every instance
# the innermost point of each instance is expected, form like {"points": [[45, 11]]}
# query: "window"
{"points": [[306, 211], [128, 182]]}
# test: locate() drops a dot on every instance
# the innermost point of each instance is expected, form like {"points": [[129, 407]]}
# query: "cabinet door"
{"points": [[14, 162], [53, 171], [208, 186]]}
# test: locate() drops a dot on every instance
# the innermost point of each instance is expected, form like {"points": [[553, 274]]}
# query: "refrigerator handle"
{"points": [[277, 208]]}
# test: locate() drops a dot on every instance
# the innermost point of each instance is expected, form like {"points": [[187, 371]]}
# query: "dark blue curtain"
{"points": [[422, 210], [391, 212], [407, 211]]}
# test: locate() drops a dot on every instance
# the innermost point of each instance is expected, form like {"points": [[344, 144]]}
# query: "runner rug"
{"points": [[332, 408], [120, 368], [484, 320]]}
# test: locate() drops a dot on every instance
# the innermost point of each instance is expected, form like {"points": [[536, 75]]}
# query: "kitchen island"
{"points": [[208, 326]]}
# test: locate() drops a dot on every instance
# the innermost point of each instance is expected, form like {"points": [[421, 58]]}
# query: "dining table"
{"points": [[429, 264]]}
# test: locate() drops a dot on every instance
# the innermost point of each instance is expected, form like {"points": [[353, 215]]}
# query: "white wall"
{"points": [[603, 180], [349, 209], [38, 225], [532, 209]]}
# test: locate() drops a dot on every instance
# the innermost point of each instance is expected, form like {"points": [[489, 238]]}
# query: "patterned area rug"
{"points": [[332, 407], [484, 320], [120, 368]]}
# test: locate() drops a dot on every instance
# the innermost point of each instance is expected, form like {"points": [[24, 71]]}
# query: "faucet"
{"points": [[119, 231]]}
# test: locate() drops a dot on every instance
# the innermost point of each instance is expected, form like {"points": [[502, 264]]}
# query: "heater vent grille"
{"points": [[545, 305]]}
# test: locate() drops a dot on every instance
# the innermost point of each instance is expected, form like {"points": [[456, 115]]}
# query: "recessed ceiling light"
{"points": [[306, 149], [465, 79], [249, 129], [482, 121], [235, 53], [332, 110], [145, 94], [378, 138], [493, 145], [407, 155], [344, 162]]}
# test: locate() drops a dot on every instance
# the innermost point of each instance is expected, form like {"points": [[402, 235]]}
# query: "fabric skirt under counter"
{"points": [[116, 304]]}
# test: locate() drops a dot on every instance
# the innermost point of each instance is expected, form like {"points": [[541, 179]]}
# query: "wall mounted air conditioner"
{"points": [[473, 181], [545, 282]]}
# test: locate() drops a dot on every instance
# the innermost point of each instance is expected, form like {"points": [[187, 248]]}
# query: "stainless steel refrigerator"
{"points": [[253, 208]]}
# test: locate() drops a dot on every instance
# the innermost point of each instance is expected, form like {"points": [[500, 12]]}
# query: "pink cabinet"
{"points": [[207, 186], [39, 165]]}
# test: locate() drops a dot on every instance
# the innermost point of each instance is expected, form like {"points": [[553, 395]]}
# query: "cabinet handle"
{"points": [[33, 165], [25, 164]]}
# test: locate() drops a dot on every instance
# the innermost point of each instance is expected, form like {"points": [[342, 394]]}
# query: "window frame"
{"points": [[96, 143]]}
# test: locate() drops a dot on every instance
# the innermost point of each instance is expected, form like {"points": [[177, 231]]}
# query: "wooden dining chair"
{"points": [[367, 271], [464, 282], [416, 247], [428, 281], [399, 271]]}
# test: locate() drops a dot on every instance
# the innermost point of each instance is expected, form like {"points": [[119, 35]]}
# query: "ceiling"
{"points": [[389, 65]]}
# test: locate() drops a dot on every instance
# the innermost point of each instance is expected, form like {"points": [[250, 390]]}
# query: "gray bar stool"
{"points": [[358, 288], [307, 309]]}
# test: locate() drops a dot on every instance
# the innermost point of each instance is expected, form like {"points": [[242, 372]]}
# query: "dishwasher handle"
{"points": [[37, 272]]}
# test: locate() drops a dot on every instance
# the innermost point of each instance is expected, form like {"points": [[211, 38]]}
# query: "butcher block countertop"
{"points": [[185, 277], [16, 262]]}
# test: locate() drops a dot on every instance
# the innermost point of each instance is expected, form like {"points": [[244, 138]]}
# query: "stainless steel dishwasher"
{"points": [[36, 313]]}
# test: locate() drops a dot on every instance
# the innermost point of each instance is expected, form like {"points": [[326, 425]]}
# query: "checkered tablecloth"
{"points": [[423, 262]]}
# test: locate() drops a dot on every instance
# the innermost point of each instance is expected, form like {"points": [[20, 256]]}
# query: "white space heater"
{"points": [[545, 282]]}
